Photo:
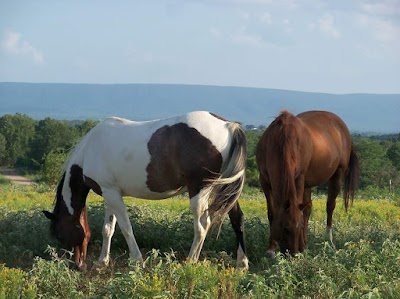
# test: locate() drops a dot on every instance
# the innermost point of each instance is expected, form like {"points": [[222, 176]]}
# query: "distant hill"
{"points": [[374, 113]]}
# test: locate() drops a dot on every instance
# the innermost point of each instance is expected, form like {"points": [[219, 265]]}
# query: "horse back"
{"points": [[330, 142], [313, 144], [153, 159]]}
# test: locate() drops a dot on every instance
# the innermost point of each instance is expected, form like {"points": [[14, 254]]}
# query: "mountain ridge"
{"points": [[362, 112]]}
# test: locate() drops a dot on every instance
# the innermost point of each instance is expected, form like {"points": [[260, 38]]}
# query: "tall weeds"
{"points": [[366, 264]]}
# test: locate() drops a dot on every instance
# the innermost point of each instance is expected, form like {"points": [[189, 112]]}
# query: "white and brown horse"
{"points": [[198, 152]]}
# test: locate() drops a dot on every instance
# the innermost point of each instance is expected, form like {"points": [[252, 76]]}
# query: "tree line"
{"points": [[43, 146]]}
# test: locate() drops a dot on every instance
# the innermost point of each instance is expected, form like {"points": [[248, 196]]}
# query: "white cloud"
{"points": [[247, 38], [326, 24], [266, 18], [386, 7], [381, 19], [245, 15], [215, 32], [249, 1], [14, 44], [383, 30]]}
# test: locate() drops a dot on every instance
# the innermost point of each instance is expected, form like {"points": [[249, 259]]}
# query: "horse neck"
{"points": [[60, 207], [287, 143]]}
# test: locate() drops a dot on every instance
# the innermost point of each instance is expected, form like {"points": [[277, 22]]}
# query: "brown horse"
{"points": [[294, 154]]}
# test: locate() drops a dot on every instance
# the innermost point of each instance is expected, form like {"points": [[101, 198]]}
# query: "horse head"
{"points": [[71, 232], [289, 228]]}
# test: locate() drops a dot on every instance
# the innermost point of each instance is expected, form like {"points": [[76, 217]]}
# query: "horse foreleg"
{"points": [[108, 231], [237, 221], [306, 216], [116, 205], [83, 249], [202, 223], [273, 243], [333, 191]]}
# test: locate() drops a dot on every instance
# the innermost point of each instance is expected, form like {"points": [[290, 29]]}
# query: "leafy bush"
{"points": [[54, 279], [165, 277], [53, 166], [4, 180], [14, 284]]}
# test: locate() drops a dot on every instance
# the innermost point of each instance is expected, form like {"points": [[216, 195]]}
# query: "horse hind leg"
{"points": [[201, 221], [237, 221], [334, 188]]}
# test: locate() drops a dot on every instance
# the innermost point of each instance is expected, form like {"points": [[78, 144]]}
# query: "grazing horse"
{"points": [[294, 154], [199, 152]]}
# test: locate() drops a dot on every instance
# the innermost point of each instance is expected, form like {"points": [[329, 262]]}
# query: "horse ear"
{"points": [[49, 215], [304, 205]]}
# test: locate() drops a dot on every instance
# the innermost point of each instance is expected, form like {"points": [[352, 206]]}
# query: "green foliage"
{"points": [[2, 147], [377, 169], [54, 279], [4, 180], [393, 154], [14, 284], [53, 166], [51, 135], [86, 126], [17, 131], [366, 263], [163, 276], [252, 137]]}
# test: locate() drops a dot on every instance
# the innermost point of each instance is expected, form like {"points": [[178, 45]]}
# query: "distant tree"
{"points": [[252, 136], [376, 168], [51, 135], [393, 154], [2, 147], [53, 166], [86, 126], [18, 131]]}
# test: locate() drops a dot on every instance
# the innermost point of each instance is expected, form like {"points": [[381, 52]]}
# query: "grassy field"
{"points": [[365, 265]]}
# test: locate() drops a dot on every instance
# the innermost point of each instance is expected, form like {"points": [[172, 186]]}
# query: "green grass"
{"points": [[4, 181], [366, 263]]}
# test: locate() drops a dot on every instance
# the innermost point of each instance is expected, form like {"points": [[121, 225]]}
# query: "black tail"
{"points": [[352, 178]]}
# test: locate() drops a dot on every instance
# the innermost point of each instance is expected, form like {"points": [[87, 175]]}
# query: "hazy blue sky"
{"points": [[339, 46]]}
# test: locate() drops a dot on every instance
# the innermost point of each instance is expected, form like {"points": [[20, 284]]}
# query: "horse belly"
{"points": [[320, 170], [145, 193]]}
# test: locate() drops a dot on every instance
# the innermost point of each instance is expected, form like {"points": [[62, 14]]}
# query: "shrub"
{"points": [[53, 166], [14, 284], [54, 279], [165, 277]]}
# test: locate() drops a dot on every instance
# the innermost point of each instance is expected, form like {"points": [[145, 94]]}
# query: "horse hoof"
{"points": [[271, 254], [100, 266], [82, 267], [243, 265]]}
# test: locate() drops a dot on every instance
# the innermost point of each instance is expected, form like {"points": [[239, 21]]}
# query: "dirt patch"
{"points": [[13, 176]]}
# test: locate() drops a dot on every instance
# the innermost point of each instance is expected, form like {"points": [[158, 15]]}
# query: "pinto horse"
{"points": [[199, 152], [294, 154]]}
